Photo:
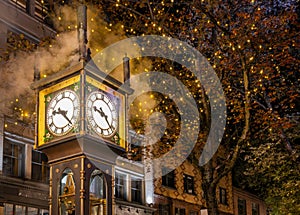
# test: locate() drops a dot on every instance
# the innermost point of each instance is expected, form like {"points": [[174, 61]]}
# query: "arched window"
{"points": [[67, 193], [97, 193]]}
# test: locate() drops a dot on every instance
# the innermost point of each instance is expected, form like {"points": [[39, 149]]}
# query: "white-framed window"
{"points": [[120, 186], [129, 186], [15, 209], [39, 167], [13, 158], [136, 189]]}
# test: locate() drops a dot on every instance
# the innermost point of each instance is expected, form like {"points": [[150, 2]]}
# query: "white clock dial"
{"points": [[101, 114], [62, 112]]}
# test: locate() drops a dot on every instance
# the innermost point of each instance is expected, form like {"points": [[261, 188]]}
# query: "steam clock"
{"points": [[82, 128]]}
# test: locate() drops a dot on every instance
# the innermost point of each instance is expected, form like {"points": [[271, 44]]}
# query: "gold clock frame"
{"points": [[121, 114], [42, 105], [69, 82]]}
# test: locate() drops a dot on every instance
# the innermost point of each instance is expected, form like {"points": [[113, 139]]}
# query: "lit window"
{"points": [[188, 184], [242, 210], [32, 211], [179, 211], [20, 3], [223, 196], [168, 179], [120, 186], [20, 209], [136, 190], [13, 158], [255, 208], [8, 208], [40, 168]]}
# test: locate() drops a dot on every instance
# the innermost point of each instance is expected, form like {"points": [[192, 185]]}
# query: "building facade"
{"points": [[26, 17], [24, 171], [180, 192], [247, 203]]}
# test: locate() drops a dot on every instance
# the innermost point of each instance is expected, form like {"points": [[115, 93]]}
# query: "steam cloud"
{"points": [[17, 73]]}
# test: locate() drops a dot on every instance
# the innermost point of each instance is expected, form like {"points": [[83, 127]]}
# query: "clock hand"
{"points": [[103, 115], [63, 113], [100, 111]]}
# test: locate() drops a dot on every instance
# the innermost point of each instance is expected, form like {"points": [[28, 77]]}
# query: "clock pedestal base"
{"points": [[80, 180]]}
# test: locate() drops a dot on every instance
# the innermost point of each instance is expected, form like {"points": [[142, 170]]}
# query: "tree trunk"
{"points": [[209, 189], [212, 205]]}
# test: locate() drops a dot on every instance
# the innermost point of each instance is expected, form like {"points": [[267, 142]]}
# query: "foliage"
{"points": [[253, 46]]}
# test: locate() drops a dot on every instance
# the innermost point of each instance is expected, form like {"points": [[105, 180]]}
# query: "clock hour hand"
{"points": [[101, 112], [63, 113]]}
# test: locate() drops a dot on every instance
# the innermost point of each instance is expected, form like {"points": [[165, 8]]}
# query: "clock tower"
{"points": [[81, 126]]}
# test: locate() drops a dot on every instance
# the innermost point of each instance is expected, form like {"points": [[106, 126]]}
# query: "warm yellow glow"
{"points": [[122, 120], [42, 105]]}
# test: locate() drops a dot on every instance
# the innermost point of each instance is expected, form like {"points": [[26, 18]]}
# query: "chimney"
{"points": [[36, 69], [82, 30], [37, 75], [126, 69]]}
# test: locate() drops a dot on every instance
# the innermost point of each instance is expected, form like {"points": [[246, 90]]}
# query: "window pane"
{"points": [[36, 156], [223, 196], [44, 212], [13, 164], [8, 209], [164, 209], [32, 211], [120, 186], [179, 211], [242, 207], [255, 209], [20, 210], [97, 187], [188, 184], [40, 168], [136, 190], [169, 179]]}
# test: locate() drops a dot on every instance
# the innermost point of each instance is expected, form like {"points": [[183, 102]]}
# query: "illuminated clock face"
{"points": [[62, 112], [101, 114]]}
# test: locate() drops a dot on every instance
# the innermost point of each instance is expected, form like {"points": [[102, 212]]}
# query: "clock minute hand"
{"points": [[63, 113], [103, 115], [100, 111]]}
